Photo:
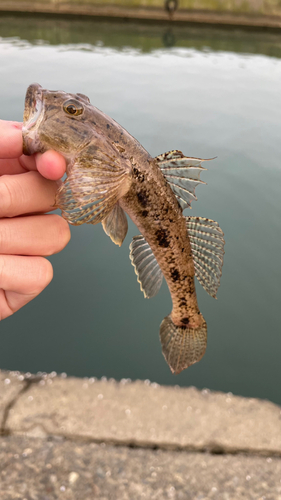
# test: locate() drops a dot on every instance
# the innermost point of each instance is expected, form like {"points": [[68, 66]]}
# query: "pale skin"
{"points": [[27, 234]]}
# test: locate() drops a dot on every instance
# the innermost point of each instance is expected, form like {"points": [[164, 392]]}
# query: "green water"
{"points": [[207, 93]]}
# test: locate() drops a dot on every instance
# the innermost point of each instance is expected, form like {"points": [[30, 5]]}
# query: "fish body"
{"points": [[109, 174]]}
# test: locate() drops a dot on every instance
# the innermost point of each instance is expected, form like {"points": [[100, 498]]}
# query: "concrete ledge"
{"points": [[8, 393], [65, 438], [41, 469], [140, 414], [180, 17]]}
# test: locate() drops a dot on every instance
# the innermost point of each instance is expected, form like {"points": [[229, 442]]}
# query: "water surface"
{"points": [[207, 93]]}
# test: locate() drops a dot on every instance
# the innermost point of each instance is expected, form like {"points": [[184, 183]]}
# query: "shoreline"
{"points": [[198, 18]]}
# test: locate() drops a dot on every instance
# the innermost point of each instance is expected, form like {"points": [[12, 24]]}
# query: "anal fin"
{"points": [[146, 267]]}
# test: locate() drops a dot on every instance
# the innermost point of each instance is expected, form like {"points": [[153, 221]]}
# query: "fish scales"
{"points": [[109, 173], [161, 222], [164, 228]]}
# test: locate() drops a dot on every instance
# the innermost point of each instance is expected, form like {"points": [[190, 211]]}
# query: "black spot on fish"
{"points": [[107, 125], [183, 302], [185, 321], [162, 238], [175, 274], [143, 200], [171, 260], [144, 213], [191, 285], [137, 174]]}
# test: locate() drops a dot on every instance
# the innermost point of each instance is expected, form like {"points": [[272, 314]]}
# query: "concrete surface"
{"points": [[68, 438], [144, 414], [8, 392], [39, 469]]}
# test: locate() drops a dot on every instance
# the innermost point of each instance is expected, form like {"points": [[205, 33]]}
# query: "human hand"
{"points": [[27, 190]]}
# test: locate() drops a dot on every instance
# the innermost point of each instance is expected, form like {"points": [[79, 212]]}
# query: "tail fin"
{"points": [[182, 346]]}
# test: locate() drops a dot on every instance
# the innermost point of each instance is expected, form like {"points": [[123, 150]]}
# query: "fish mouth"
{"points": [[32, 116]]}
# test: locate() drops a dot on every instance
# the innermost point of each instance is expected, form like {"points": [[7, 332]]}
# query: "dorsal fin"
{"points": [[207, 246], [146, 266], [183, 175]]}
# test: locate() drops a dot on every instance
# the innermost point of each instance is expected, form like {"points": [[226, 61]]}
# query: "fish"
{"points": [[109, 175]]}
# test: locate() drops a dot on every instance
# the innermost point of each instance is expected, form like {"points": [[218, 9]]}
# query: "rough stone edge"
{"points": [[212, 448], [207, 18], [28, 380], [25, 383]]}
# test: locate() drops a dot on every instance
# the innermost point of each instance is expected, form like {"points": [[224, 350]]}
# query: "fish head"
{"points": [[55, 120]]}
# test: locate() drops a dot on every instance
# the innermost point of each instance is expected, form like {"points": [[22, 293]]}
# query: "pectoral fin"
{"points": [[183, 175], [93, 187], [115, 225], [75, 213], [207, 246], [146, 267]]}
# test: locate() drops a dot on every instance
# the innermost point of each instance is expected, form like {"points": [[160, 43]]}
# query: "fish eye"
{"points": [[73, 107]]}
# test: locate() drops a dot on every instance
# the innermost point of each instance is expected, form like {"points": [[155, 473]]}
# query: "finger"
{"points": [[21, 280], [34, 235], [10, 139], [51, 165], [17, 165], [26, 193]]}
